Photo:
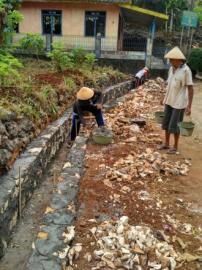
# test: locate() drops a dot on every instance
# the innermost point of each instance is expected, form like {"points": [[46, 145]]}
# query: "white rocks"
{"points": [[88, 257], [122, 246], [69, 234], [124, 220], [135, 128], [74, 253]]}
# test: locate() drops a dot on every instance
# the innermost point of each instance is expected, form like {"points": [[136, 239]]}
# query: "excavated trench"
{"points": [[23, 236], [32, 186]]}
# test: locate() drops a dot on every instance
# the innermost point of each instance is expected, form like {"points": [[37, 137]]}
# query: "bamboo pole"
{"points": [[20, 195]]}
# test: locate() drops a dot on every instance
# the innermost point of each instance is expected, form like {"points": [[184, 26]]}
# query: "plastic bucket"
{"points": [[159, 117], [186, 128]]}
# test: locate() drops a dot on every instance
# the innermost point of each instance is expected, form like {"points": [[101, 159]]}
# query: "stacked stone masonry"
{"points": [[27, 172]]}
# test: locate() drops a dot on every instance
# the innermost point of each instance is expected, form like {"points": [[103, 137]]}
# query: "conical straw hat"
{"points": [[175, 53], [85, 93]]}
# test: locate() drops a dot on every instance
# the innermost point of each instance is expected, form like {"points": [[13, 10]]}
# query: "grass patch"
{"points": [[42, 94]]}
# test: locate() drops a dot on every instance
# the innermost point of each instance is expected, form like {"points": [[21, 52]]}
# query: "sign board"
{"points": [[189, 19]]}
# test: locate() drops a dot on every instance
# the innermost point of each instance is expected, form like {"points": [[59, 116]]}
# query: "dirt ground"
{"points": [[191, 147], [178, 197]]}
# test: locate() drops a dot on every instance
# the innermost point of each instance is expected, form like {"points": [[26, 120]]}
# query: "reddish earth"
{"points": [[176, 195], [56, 78]]}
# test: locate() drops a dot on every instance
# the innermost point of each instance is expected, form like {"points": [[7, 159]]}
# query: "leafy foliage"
{"points": [[59, 57], [9, 18], [161, 5], [76, 59], [198, 10], [9, 66], [33, 43], [195, 59], [69, 83], [90, 59]]}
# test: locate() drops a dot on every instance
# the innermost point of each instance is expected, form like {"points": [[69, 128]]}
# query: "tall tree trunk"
{"points": [[166, 23], [171, 21]]}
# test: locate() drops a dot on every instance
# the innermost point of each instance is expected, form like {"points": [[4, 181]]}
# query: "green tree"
{"points": [[174, 9], [9, 17], [198, 9]]}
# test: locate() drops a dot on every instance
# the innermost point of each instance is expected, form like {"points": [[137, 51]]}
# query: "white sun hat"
{"points": [[175, 53]]}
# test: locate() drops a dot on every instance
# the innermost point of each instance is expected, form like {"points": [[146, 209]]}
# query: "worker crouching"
{"points": [[141, 76], [88, 100]]}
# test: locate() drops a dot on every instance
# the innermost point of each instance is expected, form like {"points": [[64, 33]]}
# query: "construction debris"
{"points": [[119, 185], [123, 246]]}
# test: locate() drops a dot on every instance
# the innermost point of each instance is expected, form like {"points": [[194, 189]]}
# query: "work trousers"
{"points": [[76, 122]]}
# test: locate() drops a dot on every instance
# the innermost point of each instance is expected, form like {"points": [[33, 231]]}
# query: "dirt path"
{"points": [[192, 148], [175, 202]]}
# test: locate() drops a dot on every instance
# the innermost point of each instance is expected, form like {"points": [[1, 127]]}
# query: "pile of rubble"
{"points": [[122, 246], [149, 163], [157, 85], [136, 106], [143, 162]]}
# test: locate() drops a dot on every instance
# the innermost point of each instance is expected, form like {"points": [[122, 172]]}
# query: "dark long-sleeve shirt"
{"points": [[89, 105]]}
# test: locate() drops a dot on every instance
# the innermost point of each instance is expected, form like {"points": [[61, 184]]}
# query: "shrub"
{"points": [[78, 57], [33, 43], [9, 66], [70, 84], [60, 58], [195, 59], [90, 60]]}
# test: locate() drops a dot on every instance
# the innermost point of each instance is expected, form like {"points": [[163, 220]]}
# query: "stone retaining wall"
{"points": [[32, 163], [63, 204]]}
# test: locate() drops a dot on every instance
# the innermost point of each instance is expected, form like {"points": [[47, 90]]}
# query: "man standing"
{"points": [[178, 98]]}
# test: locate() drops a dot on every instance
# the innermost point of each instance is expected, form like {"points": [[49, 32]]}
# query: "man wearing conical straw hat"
{"points": [[178, 98], [88, 100]]}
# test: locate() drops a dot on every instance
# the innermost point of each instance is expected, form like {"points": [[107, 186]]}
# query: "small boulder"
{"points": [[12, 129], [3, 130]]}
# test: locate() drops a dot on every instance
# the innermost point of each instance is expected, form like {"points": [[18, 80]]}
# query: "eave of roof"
{"points": [[145, 11]]}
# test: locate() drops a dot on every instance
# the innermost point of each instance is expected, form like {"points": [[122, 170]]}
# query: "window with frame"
{"points": [[95, 22], [52, 22]]}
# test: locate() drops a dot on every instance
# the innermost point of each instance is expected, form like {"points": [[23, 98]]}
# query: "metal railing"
{"points": [[134, 44], [87, 43]]}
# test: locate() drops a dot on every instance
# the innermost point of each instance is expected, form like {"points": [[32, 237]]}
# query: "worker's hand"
{"points": [[99, 106], [188, 110]]}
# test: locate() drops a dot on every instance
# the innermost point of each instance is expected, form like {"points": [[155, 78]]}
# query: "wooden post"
{"points": [[182, 33], [20, 195], [191, 40]]}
